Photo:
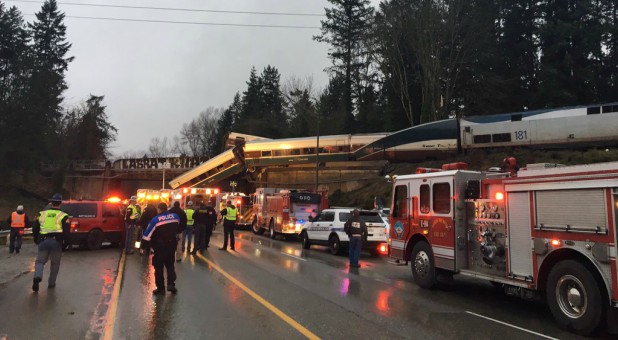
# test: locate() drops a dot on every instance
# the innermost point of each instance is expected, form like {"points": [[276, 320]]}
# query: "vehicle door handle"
{"points": [[330, 225]]}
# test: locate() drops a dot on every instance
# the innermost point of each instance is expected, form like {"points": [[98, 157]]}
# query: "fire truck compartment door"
{"points": [[520, 234]]}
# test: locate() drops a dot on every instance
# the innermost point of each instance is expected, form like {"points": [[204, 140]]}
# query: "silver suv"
{"points": [[327, 229]]}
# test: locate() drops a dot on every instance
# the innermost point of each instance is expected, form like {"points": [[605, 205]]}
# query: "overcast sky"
{"points": [[157, 76]]}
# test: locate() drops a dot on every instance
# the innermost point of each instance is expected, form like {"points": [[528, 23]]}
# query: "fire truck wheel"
{"points": [[305, 240], [271, 230], [423, 269], [574, 297], [256, 228], [95, 239], [334, 245]]}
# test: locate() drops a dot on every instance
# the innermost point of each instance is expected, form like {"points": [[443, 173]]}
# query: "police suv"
{"points": [[327, 229]]}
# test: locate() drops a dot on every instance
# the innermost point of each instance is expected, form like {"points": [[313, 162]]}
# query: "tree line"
{"points": [[35, 126], [410, 62]]}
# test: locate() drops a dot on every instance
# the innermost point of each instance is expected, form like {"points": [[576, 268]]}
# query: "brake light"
{"points": [[238, 202], [74, 225], [555, 243], [383, 249]]}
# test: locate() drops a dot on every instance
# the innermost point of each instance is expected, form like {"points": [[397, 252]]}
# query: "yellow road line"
{"points": [[304, 331], [110, 319]]}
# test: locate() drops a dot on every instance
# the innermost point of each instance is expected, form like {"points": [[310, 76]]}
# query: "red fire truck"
{"points": [[551, 231], [284, 212]]}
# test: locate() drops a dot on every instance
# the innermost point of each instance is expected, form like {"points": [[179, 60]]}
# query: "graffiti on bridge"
{"points": [[159, 163]]}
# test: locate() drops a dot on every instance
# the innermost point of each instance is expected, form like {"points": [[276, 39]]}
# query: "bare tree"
{"points": [[199, 135], [159, 147]]}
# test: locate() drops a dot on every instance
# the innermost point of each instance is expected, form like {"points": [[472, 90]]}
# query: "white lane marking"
{"points": [[508, 324], [296, 257]]}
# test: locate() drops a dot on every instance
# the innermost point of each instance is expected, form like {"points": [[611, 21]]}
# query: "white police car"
{"points": [[327, 229]]}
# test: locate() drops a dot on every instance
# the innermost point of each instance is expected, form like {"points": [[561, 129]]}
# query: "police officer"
{"points": [[18, 220], [161, 236], [131, 217], [229, 215], [181, 227], [205, 218], [187, 234], [51, 234], [356, 229]]}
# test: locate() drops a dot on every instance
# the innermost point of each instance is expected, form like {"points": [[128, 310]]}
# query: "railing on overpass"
{"points": [[154, 164]]}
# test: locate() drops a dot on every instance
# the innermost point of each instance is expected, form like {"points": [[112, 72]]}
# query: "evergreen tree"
{"points": [[272, 103], [15, 65], [302, 115], [50, 62], [93, 132], [330, 108], [226, 123], [346, 29]]}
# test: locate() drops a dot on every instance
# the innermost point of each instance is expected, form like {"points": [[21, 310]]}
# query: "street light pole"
{"points": [[317, 153]]}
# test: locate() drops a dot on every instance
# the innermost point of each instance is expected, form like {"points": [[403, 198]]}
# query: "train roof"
{"points": [[567, 111], [442, 129], [297, 142]]}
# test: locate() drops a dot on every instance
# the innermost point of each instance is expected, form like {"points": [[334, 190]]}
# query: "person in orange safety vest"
{"points": [[18, 221]]}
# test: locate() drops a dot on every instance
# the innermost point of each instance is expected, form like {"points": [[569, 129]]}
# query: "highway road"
{"points": [[266, 289]]}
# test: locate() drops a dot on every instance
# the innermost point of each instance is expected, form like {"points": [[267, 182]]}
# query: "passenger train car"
{"points": [[579, 126], [565, 127]]}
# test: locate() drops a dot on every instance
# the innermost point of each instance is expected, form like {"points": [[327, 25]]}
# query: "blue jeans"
{"points": [[355, 249], [15, 239], [187, 234]]}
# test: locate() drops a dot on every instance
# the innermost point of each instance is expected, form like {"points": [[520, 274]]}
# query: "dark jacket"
{"points": [[26, 219], [160, 234], [149, 213], [183, 218], [205, 215], [355, 226]]}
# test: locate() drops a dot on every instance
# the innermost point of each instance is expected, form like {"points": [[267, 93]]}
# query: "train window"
{"points": [[308, 151], [594, 110], [424, 198], [266, 154], [482, 139], [401, 202], [442, 198], [501, 137], [516, 117]]}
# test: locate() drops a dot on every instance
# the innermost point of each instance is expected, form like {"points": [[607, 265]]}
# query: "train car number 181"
{"points": [[521, 135]]}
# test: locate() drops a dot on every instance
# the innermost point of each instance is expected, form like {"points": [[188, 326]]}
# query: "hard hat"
{"points": [[133, 198], [190, 203], [20, 208], [56, 198]]}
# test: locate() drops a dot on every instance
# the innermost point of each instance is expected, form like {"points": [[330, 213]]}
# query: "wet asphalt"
{"points": [[312, 287]]}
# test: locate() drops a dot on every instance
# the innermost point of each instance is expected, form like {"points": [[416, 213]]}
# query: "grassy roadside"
{"points": [[477, 160]]}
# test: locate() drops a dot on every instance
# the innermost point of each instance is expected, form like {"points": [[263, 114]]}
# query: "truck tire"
{"points": [[256, 228], [574, 297], [423, 269], [271, 230], [94, 239], [334, 245], [304, 238]]}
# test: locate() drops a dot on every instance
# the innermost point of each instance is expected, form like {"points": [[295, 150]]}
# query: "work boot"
{"points": [[50, 286], [222, 248], [158, 291], [172, 288], [193, 252], [17, 251], [35, 284]]}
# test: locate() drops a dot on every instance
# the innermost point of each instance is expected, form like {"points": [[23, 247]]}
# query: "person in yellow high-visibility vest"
{"points": [[230, 216], [131, 217], [18, 220], [187, 234], [52, 234]]}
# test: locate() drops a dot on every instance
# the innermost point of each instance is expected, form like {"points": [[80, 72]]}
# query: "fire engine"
{"points": [[551, 231], [285, 212]]}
